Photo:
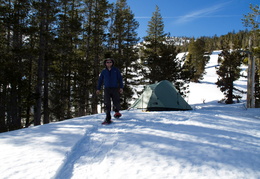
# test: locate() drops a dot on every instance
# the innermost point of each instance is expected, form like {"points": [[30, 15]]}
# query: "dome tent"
{"points": [[161, 96]]}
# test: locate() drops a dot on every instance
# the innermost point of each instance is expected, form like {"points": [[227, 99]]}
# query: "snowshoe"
{"points": [[106, 122], [117, 115]]}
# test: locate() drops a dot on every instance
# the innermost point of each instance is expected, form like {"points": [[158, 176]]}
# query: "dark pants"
{"points": [[112, 93]]}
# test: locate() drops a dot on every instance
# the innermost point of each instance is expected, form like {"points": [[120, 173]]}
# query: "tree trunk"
{"points": [[46, 110], [94, 95], [28, 103], [38, 89], [3, 127], [250, 78]]}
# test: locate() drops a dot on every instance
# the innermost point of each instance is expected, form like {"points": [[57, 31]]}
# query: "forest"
{"points": [[52, 51]]}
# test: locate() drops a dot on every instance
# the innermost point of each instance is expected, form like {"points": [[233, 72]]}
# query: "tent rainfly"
{"points": [[161, 96]]}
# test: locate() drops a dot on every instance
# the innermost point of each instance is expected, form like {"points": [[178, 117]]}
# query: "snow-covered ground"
{"points": [[212, 141]]}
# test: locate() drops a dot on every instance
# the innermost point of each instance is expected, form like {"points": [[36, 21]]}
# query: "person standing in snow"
{"points": [[113, 86]]}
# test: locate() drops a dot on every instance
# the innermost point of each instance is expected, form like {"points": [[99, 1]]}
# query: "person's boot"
{"points": [[108, 119], [117, 115]]}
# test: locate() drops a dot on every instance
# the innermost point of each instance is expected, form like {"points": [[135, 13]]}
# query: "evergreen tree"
{"points": [[229, 71], [197, 58], [63, 65], [155, 30], [31, 45], [96, 14], [13, 26], [159, 56], [153, 45], [122, 41], [45, 15], [3, 65]]}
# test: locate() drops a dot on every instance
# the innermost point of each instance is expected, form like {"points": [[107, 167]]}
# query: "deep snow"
{"points": [[212, 141]]}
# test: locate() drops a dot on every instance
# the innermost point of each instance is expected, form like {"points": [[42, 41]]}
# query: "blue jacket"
{"points": [[111, 79]]}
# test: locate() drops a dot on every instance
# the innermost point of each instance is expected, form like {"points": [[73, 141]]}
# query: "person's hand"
{"points": [[121, 90], [98, 92]]}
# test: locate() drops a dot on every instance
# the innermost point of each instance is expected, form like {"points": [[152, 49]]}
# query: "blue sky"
{"points": [[193, 18]]}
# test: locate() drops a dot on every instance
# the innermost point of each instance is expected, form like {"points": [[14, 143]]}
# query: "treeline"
{"points": [[214, 42], [52, 53]]}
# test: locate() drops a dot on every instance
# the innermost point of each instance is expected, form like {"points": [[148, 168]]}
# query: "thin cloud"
{"points": [[200, 13], [143, 17], [178, 17]]}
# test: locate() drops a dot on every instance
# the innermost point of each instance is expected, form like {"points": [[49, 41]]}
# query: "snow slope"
{"points": [[212, 141]]}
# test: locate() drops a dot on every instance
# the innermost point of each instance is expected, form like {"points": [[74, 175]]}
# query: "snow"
{"points": [[213, 140]]}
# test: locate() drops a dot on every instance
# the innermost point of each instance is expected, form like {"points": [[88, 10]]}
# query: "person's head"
{"points": [[108, 62]]}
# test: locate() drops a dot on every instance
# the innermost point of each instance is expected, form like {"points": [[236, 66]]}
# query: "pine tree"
{"points": [[31, 46], [153, 45], [45, 13], [122, 41], [13, 26], [3, 66], [229, 71], [155, 30], [197, 58], [96, 25], [63, 67], [159, 56]]}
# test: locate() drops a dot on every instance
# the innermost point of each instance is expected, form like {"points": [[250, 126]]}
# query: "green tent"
{"points": [[161, 96]]}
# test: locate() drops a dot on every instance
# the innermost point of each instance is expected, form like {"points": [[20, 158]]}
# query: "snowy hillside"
{"points": [[212, 141]]}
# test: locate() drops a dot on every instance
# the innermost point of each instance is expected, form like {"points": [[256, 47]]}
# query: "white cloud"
{"points": [[206, 12]]}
